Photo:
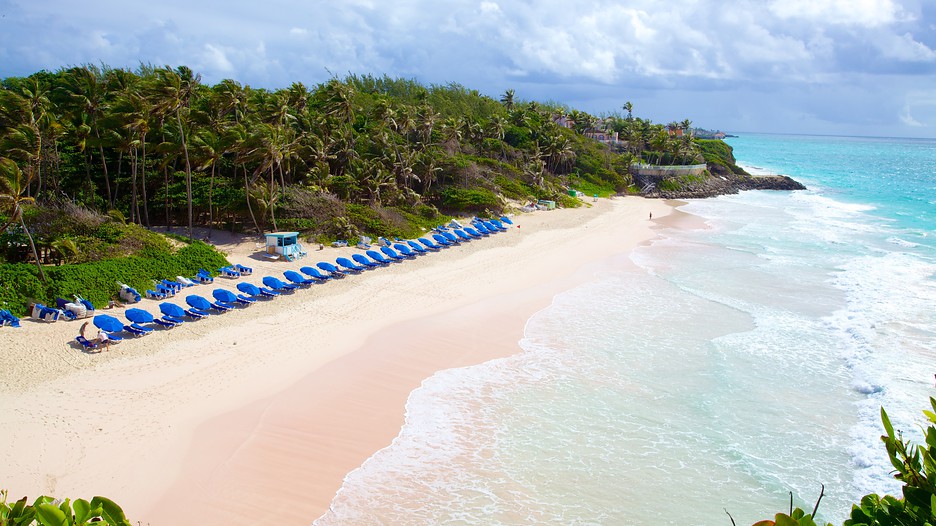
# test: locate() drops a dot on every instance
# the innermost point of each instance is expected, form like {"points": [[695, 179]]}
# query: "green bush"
{"points": [[97, 281], [470, 200]]}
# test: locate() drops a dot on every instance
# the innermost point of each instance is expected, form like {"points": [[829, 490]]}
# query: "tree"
{"points": [[629, 108], [13, 187], [507, 99], [175, 89]]}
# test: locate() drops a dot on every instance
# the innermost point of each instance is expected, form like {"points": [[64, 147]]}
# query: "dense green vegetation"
{"points": [[86, 152]]}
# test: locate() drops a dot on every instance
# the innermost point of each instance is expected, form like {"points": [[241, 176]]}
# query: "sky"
{"points": [[830, 67]]}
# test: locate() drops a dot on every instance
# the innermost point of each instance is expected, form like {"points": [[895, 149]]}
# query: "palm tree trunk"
{"points": [[32, 245], [188, 171], [250, 208], [146, 220]]}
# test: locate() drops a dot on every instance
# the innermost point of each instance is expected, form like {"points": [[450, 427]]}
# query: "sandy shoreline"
{"points": [[256, 416]]}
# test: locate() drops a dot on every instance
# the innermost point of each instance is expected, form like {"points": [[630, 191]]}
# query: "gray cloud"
{"points": [[817, 66]]}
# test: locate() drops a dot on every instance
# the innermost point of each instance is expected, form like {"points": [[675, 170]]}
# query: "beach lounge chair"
{"points": [[331, 269], [453, 239], [505, 219], [298, 279], [69, 310], [167, 322], [167, 291], [384, 242], [364, 243], [314, 273], [136, 331], [378, 257], [361, 259], [86, 343], [203, 276], [498, 225], [473, 233], [196, 314], [339, 243], [404, 250], [184, 281], [349, 265], [429, 244], [41, 312], [7, 318], [461, 234], [244, 299], [244, 271], [155, 295], [172, 313], [137, 317], [137, 327], [88, 306], [229, 272], [128, 294], [278, 284], [175, 286]]}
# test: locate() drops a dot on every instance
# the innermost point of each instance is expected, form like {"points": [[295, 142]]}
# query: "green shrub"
{"points": [[470, 200]]}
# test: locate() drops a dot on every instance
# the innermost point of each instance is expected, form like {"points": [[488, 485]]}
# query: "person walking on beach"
{"points": [[651, 216]]}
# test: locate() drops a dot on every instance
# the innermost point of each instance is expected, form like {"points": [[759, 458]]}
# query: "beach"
{"points": [[255, 416]]}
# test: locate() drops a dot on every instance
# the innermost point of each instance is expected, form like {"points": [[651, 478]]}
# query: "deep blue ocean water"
{"points": [[713, 369]]}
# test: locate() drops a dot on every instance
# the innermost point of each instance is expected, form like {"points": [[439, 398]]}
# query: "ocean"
{"points": [[713, 371]]}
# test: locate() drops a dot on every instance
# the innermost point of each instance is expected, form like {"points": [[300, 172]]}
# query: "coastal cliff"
{"points": [[722, 176]]}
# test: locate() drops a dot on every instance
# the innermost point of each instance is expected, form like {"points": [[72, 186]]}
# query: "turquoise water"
{"points": [[712, 370]]}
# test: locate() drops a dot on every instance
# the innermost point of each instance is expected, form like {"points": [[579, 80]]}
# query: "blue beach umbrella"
{"points": [[138, 316], [224, 295], [248, 288], [198, 302], [108, 323], [171, 309]]}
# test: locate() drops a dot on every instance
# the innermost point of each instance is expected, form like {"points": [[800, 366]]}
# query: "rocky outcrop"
{"points": [[722, 176], [712, 185]]}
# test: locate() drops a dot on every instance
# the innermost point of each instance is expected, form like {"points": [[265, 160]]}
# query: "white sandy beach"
{"points": [[256, 415]]}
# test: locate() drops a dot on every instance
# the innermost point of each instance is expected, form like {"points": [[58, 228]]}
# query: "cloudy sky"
{"points": [[855, 67]]}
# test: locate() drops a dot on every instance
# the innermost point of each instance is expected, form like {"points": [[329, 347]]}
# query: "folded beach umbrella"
{"points": [[429, 244], [138, 316], [378, 257], [108, 323], [171, 309], [362, 259], [278, 284], [298, 278], [314, 273]]}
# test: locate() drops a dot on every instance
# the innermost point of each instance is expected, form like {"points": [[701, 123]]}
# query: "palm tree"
{"points": [[87, 94], [629, 108], [175, 88], [13, 185], [507, 99]]}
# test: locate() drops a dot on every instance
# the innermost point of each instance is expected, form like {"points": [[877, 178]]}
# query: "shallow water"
{"points": [[711, 370]]}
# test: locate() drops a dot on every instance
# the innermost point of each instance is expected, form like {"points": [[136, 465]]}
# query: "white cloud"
{"points": [[863, 13], [216, 59], [905, 47], [300, 31], [908, 119]]}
